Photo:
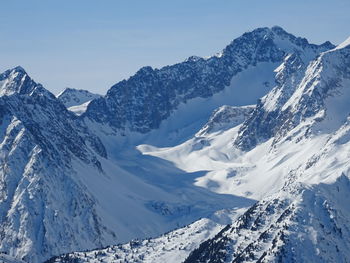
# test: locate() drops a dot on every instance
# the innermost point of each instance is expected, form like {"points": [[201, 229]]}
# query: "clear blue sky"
{"points": [[91, 45]]}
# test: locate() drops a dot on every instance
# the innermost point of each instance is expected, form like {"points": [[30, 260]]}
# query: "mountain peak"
{"points": [[16, 80], [144, 100], [278, 29], [328, 45], [193, 59], [268, 30], [73, 97], [13, 71], [19, 69], [299, 41]]}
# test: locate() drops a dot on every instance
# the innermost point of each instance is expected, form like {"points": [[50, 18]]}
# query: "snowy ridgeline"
{"points": [[171, 247], [170, 146]]}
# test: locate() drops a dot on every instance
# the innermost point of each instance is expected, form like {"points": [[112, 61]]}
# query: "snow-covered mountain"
{"points": [[149, 97], [40, 198], [264, 122], [290, 154], [315, 92], [61, 191], [76, 100], [295, 162], [74, 97]]}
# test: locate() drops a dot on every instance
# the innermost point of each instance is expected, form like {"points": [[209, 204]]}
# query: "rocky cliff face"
{"points": [[143, 101], [225, 118], [304, 92]]}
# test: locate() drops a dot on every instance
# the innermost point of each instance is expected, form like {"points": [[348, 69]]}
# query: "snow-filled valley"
{"points": [[241, 157]]}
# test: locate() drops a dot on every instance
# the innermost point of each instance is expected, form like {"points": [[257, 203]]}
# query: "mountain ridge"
{"points": [[161, 91]]}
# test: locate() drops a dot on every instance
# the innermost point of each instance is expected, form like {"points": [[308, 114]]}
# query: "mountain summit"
{"points": [[149, 97]]}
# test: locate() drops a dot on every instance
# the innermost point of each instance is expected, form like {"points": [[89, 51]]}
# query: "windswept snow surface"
{"points": [[164, 195], [79, 109]]}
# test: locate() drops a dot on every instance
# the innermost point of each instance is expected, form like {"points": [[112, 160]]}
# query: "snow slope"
{"points": [[174, 246]]}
